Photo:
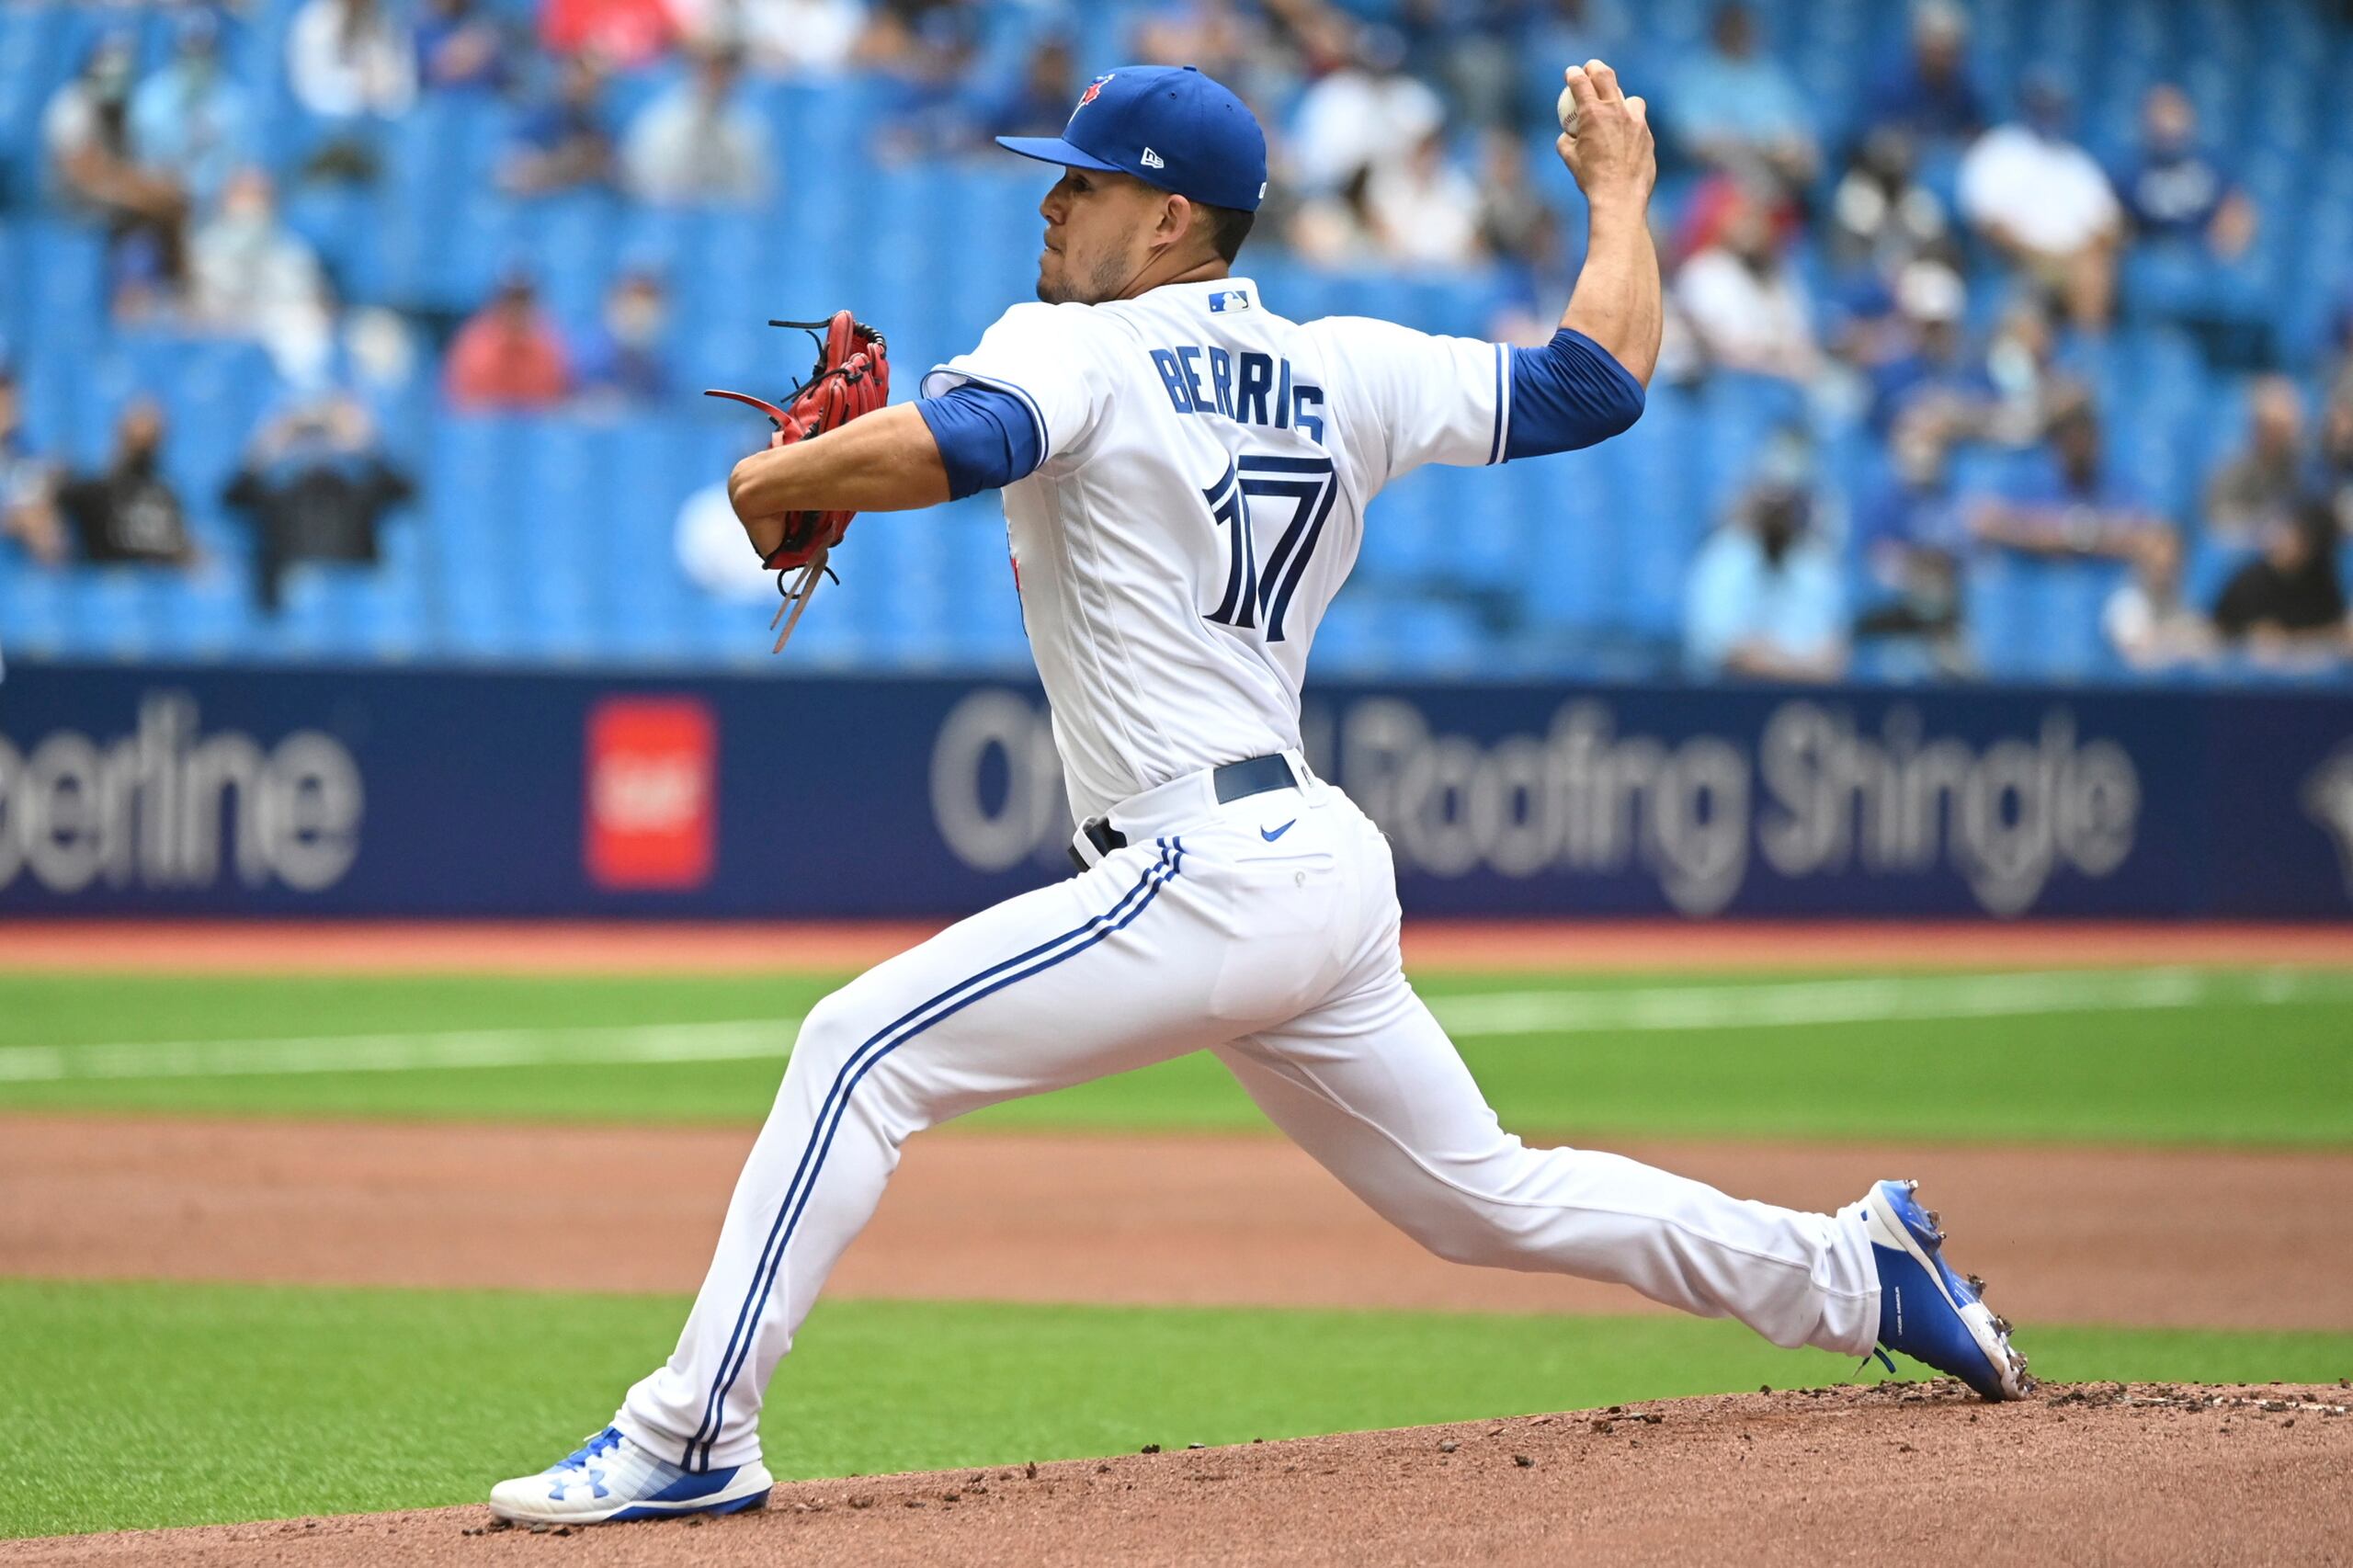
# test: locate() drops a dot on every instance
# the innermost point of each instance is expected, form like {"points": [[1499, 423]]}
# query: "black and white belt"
{"points": [[1233, 782]]}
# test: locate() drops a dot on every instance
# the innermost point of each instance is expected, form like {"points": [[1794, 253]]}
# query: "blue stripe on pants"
{"points": [[877, 1046]]}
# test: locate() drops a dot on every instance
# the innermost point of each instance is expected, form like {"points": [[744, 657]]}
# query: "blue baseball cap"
{"points": [[1170, 127]]}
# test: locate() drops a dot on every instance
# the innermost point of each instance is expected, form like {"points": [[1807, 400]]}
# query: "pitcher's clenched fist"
{"points": [[1606, 137]]}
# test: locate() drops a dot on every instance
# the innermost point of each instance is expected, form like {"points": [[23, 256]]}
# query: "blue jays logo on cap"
{"points": [[1170, 127]]}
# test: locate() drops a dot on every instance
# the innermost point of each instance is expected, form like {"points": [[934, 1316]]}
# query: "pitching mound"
{"points": [[1904, 1471]]}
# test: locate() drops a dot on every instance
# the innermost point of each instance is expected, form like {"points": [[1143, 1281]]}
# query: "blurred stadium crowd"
{"points": [[2006, 340]]}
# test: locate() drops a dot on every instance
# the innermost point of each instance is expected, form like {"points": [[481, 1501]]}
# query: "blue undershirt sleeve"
{"points": [[986, 437], [1567, 394]]}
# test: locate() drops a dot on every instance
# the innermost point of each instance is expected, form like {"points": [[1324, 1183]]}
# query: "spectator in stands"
{"points": [[782, 38], [922, 41], [2173, 188], [1737, 110], [377, 359], [1929, 96], [1360, 110], [347, 58], [2332, 480], [1039, 102], [1515, 222], [2045, 205], [708, 538], [1911, 535], [86, 133], [27, 484], [2147, 620], [2065, 499], [2192, 229], [2021, 365], [316, 485], [1746, 302], [2337, 353], [2265, 479], [1882, 217], [1425, 210], [624, 359], [1561, 31], [128, 512], [459, 46], [1225, 39], [508, 357], [924, 53], [1929, 376], [251, 275], [191, 122], [699, 142], [1337, 229], [1764, 599], [2288, 605], [566, 143], [627, 34]]}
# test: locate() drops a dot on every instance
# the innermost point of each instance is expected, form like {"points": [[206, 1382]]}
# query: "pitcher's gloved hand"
{"points": [[852, 377]]}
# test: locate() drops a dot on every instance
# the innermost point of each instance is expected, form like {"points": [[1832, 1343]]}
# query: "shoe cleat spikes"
{"points": [[1977, 1283]]}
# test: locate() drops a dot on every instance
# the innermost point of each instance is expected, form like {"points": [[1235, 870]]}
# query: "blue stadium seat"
{"points": [[32, 607], [1574, 554], [1999, 617]]}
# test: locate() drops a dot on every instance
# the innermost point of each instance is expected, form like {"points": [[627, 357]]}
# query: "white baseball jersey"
{"points": [[1206, 465]]}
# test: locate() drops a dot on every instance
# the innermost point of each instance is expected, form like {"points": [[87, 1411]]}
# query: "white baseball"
{"points": [[1567, 108]]}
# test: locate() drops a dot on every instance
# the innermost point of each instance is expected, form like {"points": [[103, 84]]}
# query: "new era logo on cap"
{"points": [[1153, 160], [1226, 300]]}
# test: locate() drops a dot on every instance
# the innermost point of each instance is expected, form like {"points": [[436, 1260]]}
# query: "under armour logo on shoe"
{"points": [[1153, 160]]}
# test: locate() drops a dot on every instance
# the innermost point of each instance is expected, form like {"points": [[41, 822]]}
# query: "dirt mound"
{"points": [[2105, 1472]]}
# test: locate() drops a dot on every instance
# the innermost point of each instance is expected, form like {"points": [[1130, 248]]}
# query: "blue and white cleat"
{"points": [[608, 1479], [1926, 1310]]}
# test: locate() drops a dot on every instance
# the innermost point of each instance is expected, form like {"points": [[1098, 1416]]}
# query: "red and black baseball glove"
{"points": [[852, 376]]}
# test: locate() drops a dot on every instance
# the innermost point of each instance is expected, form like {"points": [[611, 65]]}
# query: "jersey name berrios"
{"points": [[1206, 465]]}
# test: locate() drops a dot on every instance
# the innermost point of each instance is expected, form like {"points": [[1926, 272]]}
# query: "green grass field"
{"points": [[138, 1405], [2218, 1057], [148, 1405]]}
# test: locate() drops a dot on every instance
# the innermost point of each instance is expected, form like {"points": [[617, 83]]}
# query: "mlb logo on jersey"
{"points": [[1226, 300]]}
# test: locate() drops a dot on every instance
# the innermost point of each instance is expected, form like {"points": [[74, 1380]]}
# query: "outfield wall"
{"points": [[207, 791]]}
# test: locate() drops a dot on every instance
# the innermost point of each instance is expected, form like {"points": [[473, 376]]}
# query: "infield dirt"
{"points": [[410, 947], [1899, 1472], [2239, 1240]]}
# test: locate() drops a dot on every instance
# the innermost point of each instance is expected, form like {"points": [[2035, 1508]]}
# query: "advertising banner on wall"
{"points": [[206, 791]]}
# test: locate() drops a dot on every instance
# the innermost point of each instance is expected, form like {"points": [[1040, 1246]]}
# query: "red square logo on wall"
{"points": [[651, 805]]}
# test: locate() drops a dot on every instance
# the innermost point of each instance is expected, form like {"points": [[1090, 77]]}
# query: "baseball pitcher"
{"points": [[1186, 473]]}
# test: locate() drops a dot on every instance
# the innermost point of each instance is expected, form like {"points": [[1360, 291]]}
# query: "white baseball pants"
{"points": [[1264, 930]]}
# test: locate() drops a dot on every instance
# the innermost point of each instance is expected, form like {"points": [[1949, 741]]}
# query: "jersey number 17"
{"points": [[1311, 487]]}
